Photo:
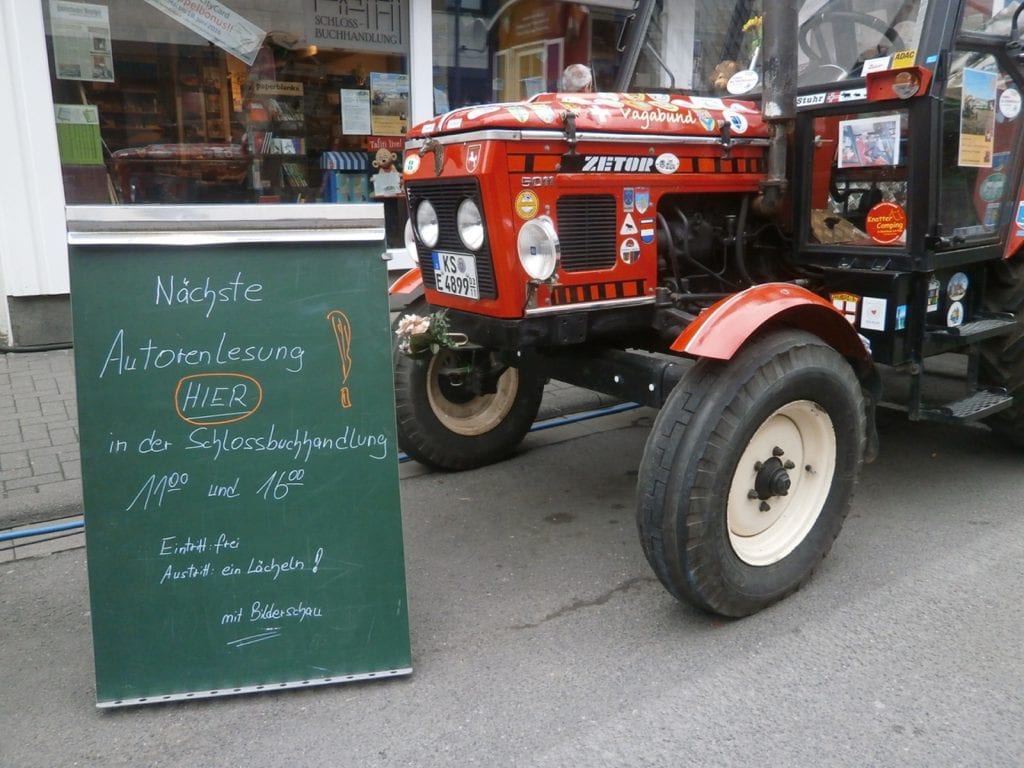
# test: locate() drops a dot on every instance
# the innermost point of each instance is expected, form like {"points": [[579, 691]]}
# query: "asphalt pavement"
{"points": [[540, 636]]}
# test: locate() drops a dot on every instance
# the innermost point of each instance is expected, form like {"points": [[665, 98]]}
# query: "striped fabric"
{"points": [[344, 161]]}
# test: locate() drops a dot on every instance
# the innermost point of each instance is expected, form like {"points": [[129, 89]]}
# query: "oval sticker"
{"points": [[527, 204], [743, 81], [886, 223], [412, 163], [1009, 103], [667, 163]]}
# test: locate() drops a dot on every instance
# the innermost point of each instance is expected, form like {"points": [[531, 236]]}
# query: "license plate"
{"points": [[455, 273]]}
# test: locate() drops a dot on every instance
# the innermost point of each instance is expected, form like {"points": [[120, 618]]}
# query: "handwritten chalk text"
{"points": [[182, 291]]}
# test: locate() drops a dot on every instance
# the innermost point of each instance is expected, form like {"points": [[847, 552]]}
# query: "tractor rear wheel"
{"points": [[1002, 359], [443, 423], [749, 472]]}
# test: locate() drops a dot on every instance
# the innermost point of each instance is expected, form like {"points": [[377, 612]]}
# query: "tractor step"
{"points": [[970, 333], [976, 406]]}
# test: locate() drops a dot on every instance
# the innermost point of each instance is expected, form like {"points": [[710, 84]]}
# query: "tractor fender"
{"points": [[406, 289], [723, 328]]}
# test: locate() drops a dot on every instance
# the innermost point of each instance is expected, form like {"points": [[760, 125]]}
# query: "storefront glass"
{"points": [[492, 51], [243, 101]]}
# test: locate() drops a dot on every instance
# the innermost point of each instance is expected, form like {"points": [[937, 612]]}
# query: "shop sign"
{"points": [[276, 88], [217, 23], [381, 26]]}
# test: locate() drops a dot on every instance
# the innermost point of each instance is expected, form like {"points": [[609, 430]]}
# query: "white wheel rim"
{"points": [[762, 531], [477, 416]]}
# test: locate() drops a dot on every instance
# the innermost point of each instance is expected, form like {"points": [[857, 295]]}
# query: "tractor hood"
{"points": [[632, 113]]}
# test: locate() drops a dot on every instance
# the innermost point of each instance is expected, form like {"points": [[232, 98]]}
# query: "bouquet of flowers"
{"points": [[419, 336]]}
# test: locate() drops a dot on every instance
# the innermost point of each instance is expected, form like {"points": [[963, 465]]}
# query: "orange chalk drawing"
{"points": [[208, 399], [343, 334]]}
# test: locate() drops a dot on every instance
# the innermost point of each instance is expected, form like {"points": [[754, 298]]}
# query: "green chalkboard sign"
{"points": [[239, 467]]}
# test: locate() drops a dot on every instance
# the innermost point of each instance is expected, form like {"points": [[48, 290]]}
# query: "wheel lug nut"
{"points": [[789, 465], [751, 494], [776, 451], [765, 506], [757, 466]]}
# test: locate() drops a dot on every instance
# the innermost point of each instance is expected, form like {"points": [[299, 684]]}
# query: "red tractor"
{"points": [[772, 229]]}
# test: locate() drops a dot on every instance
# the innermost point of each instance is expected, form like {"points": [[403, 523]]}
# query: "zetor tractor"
{"points": [[771, 229]]}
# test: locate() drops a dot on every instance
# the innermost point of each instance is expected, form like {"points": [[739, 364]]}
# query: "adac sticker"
{"points": [[886, 223], [902, 59], [412, 163], [629, 251], [847, 304], [527, 204]]}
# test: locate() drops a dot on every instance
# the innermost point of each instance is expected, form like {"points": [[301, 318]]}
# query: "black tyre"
{"points": [[442, 424], [749, 472], [1002, 359]]}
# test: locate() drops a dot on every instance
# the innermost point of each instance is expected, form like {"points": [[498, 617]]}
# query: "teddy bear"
{"points": [[387, 182], [721, 74]]}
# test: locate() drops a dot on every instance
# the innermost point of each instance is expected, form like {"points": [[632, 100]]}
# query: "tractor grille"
{"points": [[446, 196], [587, 232]]}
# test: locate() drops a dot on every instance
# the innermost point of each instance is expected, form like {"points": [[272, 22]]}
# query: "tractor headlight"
{"points": [[538, 248], [470, 224], [426, 224]]}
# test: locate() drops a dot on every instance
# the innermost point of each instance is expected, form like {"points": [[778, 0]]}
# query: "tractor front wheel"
{"points": [[444, 422], [749, 472]]}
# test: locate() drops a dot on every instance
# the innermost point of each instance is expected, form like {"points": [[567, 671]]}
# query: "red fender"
{"points": [[409, 282], [724, 327]]}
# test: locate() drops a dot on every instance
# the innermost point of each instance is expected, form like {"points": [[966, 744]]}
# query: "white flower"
{"points": [[410, 325]]}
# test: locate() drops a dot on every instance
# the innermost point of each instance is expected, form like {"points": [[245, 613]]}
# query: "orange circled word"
{"points": [[202, 400]]}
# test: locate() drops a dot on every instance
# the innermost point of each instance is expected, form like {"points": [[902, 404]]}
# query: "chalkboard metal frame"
{"points": [[317, 247]]}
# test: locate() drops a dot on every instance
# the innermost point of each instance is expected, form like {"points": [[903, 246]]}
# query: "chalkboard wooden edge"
{"points": [[262, 688]]}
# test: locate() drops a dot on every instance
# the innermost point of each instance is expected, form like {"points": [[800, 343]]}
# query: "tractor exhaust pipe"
{"points": [[778, 105]]}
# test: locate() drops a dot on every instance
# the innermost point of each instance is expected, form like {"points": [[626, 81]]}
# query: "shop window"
{"points": [[487, 51], [250, 101]]}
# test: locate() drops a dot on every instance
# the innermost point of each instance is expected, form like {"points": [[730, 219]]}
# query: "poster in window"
{"points": [[78, 134], [355, 111], [389, 103], [869, 141], [977, 118], [81, 41]]}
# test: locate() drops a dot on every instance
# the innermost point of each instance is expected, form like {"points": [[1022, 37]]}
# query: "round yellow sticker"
{"points": [[527, 204]]}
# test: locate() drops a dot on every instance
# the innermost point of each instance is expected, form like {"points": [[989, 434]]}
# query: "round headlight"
{"points": [[410, 241], [538, 248], [426, 224], [470, 225]]}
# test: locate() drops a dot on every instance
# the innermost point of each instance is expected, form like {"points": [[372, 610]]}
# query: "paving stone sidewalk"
{"points": [[40, 465]]}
